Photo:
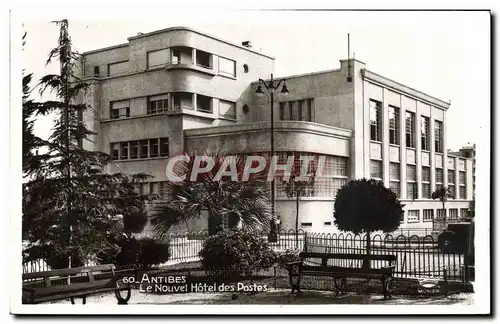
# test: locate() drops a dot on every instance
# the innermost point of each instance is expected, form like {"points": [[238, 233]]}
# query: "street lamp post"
{"points": [[272, 88]]}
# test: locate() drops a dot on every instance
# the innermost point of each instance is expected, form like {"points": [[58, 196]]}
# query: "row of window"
{"points": [[428, 214], [180, 100], [411, 179], [141, 149], [181, 55], [300, 110], [394, 128]]}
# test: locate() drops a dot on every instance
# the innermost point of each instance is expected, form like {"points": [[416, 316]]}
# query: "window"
{"points": [[328, 223], [438, 136], [424, 132], [461, 177], [330, 178], [428, 215], [227, 109], [163, 146], [394, 171], [451, 183], [204, 59], [96, 71], [120, 109], [143, 148], [375, 121], [453, 213], [117, 68], [461, 192], [376, 169], [123, 150], [158, 104], [296, 110], [411, 185], [440, 213], [306, 224], [134, 149], [153, 147], [464, 212], [245, 68], [176, 56], [410, 129], [413, 216], [282, 110], [182, 100], [426, 182], [157, 58], [393, 125], [439, 176], [115, 151], [203, 104], [394, 178], [394, 186], [227, 66]]}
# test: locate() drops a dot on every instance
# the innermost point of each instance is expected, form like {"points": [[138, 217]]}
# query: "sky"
{"points": [[443, 54]]}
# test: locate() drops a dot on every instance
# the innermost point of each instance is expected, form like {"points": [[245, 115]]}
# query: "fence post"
{"points": [[305, 241]]}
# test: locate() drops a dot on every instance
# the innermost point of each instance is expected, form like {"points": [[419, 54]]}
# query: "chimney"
{"points": [[247, 44]]}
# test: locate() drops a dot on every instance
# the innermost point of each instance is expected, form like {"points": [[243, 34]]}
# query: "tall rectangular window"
{"points": [[394, 178], [411, 184], [134, 149], [164, 146], [462, 187], [426, 182], [453, 213], [115, 151], [176, 56], [124, 150], [227, 66], [424, 132], [438, 136], [143, 146], [376, 169], [439, 176], [158, 104], [157, 58], [309, 109], [375, 121], [410, 129], [120, 109], [451, 183], [393, 125], [153, 147], [282, 110]]}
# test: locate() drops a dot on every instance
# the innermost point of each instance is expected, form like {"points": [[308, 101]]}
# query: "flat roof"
{"points": [[166, 30]]}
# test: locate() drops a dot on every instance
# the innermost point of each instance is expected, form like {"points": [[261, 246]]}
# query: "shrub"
{"points": [[152, 252], [287, 256], [123, 251], [237, 250]]}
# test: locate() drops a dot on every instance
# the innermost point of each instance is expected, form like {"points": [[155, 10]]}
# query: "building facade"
{"points": [[469, 151], [180, 90]]}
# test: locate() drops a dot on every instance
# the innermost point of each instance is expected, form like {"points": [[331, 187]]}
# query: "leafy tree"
{"points": [[71, 208], [443, 193], [226, 200], [298, 187], [365, 205]]}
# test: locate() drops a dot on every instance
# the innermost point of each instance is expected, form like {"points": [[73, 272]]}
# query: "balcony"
{"points": [[182, 57]]}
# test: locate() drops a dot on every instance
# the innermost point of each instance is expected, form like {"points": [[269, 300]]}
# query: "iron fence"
{"points": [[417, 255]]}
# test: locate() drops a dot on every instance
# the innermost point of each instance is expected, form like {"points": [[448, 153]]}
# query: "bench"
{"points": [[39, 287], [308, 267]]}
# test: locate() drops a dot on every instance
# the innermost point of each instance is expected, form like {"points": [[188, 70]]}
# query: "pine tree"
{"points": [[71, 207]]}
